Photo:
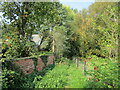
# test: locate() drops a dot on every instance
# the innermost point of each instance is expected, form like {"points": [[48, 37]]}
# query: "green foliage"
{"points": [[109, 39], [62, 76], [53, 79], [97, 30], [91, 33], [76, 78], [16, 47], [7, 78], [45, 53], [67, 75], [106, 75], [59, 40], [11, 79], [23, 19]]}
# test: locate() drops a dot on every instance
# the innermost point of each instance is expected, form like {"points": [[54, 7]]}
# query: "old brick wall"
{"points": [[40, 64], [27, 66]]}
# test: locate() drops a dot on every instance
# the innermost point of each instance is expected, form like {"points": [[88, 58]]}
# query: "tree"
{"points": [[59, 40], [108, 27], [27, 17]]}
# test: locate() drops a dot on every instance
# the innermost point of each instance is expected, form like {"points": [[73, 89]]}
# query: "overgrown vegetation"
{"points": [[104, 73], [63, 75], [71, 35]]}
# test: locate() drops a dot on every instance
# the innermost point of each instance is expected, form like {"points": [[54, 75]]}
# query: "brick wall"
{"points": [[40, 64], [27, 66]]}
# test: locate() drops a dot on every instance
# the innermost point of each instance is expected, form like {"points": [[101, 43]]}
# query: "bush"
{"points": [[14, 46], [12, 79], [7, 78], [105, 75]]}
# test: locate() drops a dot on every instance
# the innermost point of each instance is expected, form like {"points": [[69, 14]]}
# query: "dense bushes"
{"points": [[13, 79], [14, 46], [104, 73]]}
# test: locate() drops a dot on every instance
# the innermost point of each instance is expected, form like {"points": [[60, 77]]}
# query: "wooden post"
{"points": [[85, 68], [53, 47], [77, 62]]}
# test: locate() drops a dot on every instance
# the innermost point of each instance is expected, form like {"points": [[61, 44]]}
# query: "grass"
{"points": [[67, 75], [62, 76]]}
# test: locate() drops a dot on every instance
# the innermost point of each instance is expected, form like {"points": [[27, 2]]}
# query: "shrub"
{"points": [[105, 75]]}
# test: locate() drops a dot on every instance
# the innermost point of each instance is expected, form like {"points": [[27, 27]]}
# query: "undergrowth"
{"points": [[62, 76]]}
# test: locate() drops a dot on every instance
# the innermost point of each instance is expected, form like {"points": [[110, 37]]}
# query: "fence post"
{"points": [[85, 67], [77, 62]]}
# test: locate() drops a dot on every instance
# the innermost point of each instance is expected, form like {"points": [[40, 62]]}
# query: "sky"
{"points": [[78, 5]]}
